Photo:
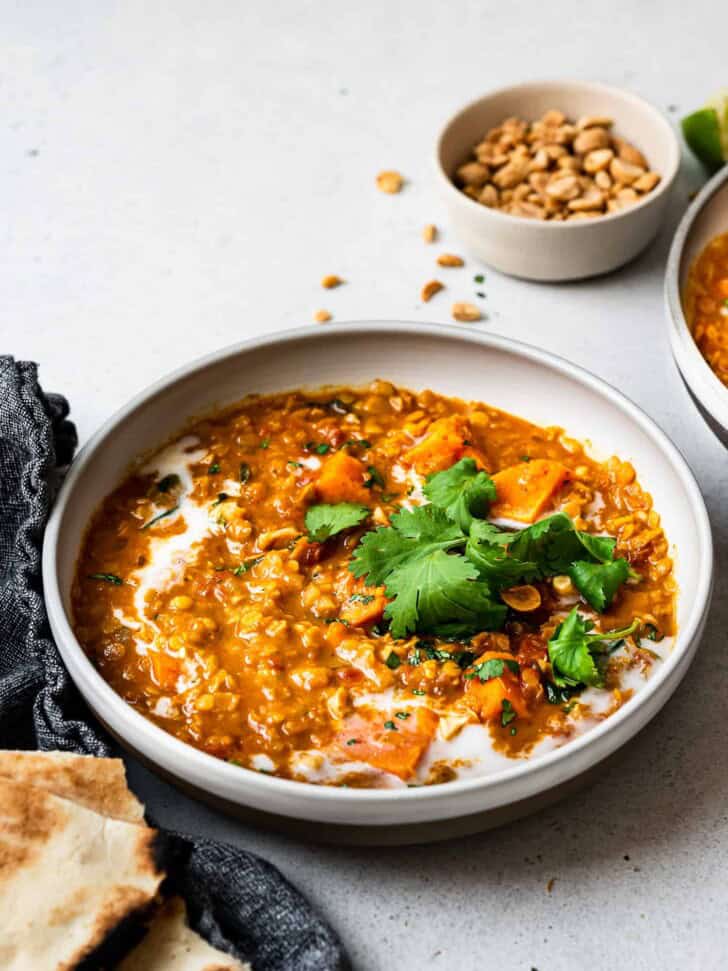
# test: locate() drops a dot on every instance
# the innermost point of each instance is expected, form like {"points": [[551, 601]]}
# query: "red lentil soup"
{"points": [[706, 304], [375, 587]]}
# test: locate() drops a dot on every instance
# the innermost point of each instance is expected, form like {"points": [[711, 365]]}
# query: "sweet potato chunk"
{"points": [[486, 697], [525, 490], [367, 607], [165, 669], [397, 750], [342, 480], [446, 442]]}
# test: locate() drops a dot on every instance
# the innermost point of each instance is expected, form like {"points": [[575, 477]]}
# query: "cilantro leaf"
{"points": [[462, 491], [327, 520], [414, 533], [598, 582], [438, 588], [571, 649], [600, 548]]}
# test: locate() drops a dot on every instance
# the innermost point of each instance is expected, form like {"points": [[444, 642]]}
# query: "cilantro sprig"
{"points": [[443, 565], [572, 648], [430, 588], [326, 520]]}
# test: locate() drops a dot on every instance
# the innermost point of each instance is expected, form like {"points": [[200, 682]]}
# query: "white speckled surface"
{"points": [[173, 180]]}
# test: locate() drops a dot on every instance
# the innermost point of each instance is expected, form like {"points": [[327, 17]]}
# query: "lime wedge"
{"points": [[706, 132]]}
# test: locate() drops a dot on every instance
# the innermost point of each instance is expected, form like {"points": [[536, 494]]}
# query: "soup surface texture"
{"points": [[706, 304], [375, 587]]}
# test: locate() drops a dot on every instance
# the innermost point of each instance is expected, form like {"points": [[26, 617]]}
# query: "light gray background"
{"points": [[178, 176]]}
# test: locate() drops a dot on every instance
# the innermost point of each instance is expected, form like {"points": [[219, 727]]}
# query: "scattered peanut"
{"points": [[466, 313], [429, 233], [322, 316], [330, 281], [430, 289], [449, 259], [555, 169], [390, 182]]}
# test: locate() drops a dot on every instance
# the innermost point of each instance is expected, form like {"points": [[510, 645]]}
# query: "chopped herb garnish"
{"points": [[326, 520], [479, 278], [168, 482], [558, 694], [221, 497], [414, 657], [264, 442], [107, 578], [388, 496], [493, 668], [391, 726], [507, 713], [244, 473], [352, 741], [362, 598], [375, 478], [320, 448], [393, 661], [524, 458], [357, 443], [417, 691], [403, 715], [653, 634], [214, 469], [248, 565], [294, 465], [514, 730], [161, 515]]}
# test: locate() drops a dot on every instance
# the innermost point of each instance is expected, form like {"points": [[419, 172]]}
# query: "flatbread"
{"points": [[68, 877], [170, 945], [97, 784]]}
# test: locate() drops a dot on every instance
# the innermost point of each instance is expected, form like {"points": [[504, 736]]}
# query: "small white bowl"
{"points": [[706, 218], [520, 379], [540, 250]]}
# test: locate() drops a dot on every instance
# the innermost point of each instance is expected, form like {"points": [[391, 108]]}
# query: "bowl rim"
{"points": [[701, 379], [239, 780], [666, 179]]}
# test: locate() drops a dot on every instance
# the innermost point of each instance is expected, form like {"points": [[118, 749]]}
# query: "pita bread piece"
{"points": [[170, 945], [68, 878], [98, 784]]}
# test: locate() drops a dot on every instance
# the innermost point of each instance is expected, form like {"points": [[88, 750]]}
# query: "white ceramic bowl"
{"points": [[518, 378], [539, 250], [706, 217]]}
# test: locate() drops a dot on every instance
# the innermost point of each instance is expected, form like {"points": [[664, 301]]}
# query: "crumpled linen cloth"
{"points": [[238, 901]]}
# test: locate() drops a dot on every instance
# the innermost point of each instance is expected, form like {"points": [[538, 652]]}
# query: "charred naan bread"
{"points": [[170, 945], [68, 877], [98, 784]]}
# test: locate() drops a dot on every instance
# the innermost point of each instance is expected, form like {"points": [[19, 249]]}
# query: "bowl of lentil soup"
{"points": [[486, 605], [696, 292]]}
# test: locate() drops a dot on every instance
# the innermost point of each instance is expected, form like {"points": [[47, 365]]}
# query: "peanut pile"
{"points": [[555, 169]]}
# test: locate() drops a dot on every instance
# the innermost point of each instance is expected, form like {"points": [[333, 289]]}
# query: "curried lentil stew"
{"points": [[375, 587], [706, 304]]}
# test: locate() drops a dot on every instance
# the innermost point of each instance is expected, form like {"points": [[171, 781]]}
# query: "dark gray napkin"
{"points": [[242, 904]]}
